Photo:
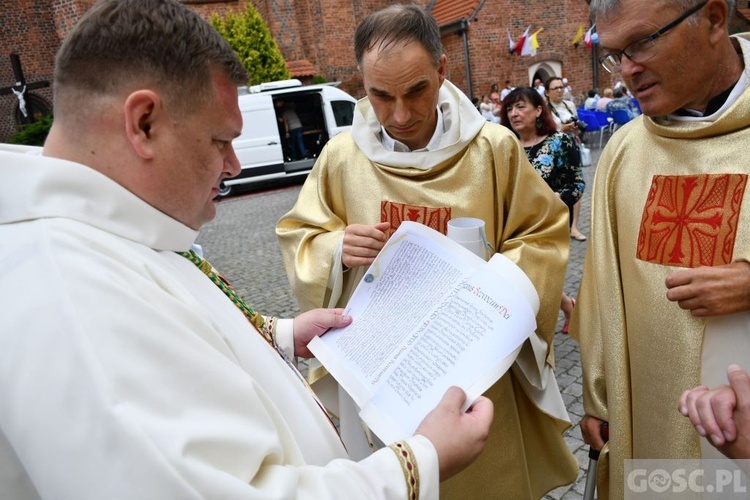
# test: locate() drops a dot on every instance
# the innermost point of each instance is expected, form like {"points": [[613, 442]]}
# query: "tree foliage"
{"points": [[33, 134], [249, 36]]}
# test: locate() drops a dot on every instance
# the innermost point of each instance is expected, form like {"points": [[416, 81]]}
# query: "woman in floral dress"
{"points": [[553, 154]]}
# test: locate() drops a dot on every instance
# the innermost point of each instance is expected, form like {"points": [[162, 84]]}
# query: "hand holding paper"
{"points": [[458, 437]]}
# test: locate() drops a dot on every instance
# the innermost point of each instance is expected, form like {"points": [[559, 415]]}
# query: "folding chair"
{"points": [[592, 124], [605, 119], [621, 117]]}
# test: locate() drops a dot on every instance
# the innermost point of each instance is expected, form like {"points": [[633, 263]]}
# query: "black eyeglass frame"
{"points": [[615, 58]]}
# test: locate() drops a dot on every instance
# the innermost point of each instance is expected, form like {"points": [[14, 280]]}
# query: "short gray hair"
{"points": [[605, 8], [395, 24], [120, 44]]}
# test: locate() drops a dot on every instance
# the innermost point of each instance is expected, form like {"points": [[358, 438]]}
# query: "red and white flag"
{"points": [[518, 49], [587, 39]]}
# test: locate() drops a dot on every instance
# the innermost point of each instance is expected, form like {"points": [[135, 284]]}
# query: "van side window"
{"points": [[343, 112]]}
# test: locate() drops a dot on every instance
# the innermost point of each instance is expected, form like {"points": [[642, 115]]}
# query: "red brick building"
{"points": [[315, 37]]}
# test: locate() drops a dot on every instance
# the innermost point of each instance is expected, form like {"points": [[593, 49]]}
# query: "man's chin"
{"points": [[206, 216], [651, 102], [654, 108]]}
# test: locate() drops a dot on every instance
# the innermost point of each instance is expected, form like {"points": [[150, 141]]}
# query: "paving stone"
{"points": [[576, 409], [573, 443], [562, 365], [574, 388]]}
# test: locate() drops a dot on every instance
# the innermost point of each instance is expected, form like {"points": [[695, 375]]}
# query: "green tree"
{"points": [[33, 134], [249, 36]]}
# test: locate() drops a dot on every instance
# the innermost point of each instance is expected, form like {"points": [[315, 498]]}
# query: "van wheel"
{"points": [[224, 190]]}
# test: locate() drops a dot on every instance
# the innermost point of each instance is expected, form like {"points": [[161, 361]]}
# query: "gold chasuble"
{"points": [[668, 194], [480, 170]]}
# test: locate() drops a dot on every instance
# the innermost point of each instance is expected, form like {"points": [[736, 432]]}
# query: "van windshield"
{"points": [[343, 112]]}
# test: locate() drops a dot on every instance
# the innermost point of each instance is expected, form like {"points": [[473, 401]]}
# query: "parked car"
{"points": [[263, 149]]}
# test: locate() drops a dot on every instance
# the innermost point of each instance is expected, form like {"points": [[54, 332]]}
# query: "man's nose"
{"points": [[232, 163], [401, 112], [628, 68]]}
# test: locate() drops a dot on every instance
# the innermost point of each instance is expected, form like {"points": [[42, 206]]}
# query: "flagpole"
{"points": [[595, 62], [464, 29]]}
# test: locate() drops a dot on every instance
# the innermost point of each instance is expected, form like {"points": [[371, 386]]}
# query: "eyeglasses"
{"points": [[644, 49]]}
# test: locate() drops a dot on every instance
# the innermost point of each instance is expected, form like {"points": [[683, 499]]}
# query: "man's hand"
{"points": [[722, 415], [315, 323], [362, 243], [459, 438], [591, 428], [711, 291]]}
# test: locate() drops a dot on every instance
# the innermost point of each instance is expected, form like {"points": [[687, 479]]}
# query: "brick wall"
{"points": [[208, 9], [491, 61], [322, 31], [25, 31]]}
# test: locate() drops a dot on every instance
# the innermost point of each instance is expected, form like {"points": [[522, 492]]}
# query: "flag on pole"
{"points": [[587, 38], [518, 49], [579, 36], [531, 44], [511, 43]]}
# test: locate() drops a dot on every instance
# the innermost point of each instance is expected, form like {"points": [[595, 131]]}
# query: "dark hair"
{"points": [[119, 44], [592, 93], [530, 95], [398, 23], [618, 93], [549, 81]]}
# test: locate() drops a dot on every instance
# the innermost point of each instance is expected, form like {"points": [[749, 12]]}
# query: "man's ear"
{"points": [[442, 68], [143, 110], [718, 13]]}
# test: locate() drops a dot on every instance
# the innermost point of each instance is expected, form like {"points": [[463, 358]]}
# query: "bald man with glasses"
{"points": [[665, 294]]}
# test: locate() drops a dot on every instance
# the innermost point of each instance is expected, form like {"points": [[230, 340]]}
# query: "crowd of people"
{"points": [[131, 368]]}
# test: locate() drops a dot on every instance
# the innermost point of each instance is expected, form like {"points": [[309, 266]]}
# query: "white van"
{"points": [[263, 149]]}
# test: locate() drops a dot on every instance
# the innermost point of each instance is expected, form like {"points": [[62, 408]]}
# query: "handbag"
{"points": [[585, 155]]}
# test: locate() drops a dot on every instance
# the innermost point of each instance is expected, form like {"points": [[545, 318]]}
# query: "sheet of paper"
{"points": [[410, 276], [428, 314], [458, 344]]}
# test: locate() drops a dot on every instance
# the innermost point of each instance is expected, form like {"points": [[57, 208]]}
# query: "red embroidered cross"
{"points": [[395, 213], [691, 221]]}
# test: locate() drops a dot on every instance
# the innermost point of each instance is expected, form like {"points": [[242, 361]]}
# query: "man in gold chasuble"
{"points": [[418, 150], [665, 295]]}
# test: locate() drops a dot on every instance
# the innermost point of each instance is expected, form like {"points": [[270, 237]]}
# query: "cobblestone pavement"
{"points": [[242, 244]]}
